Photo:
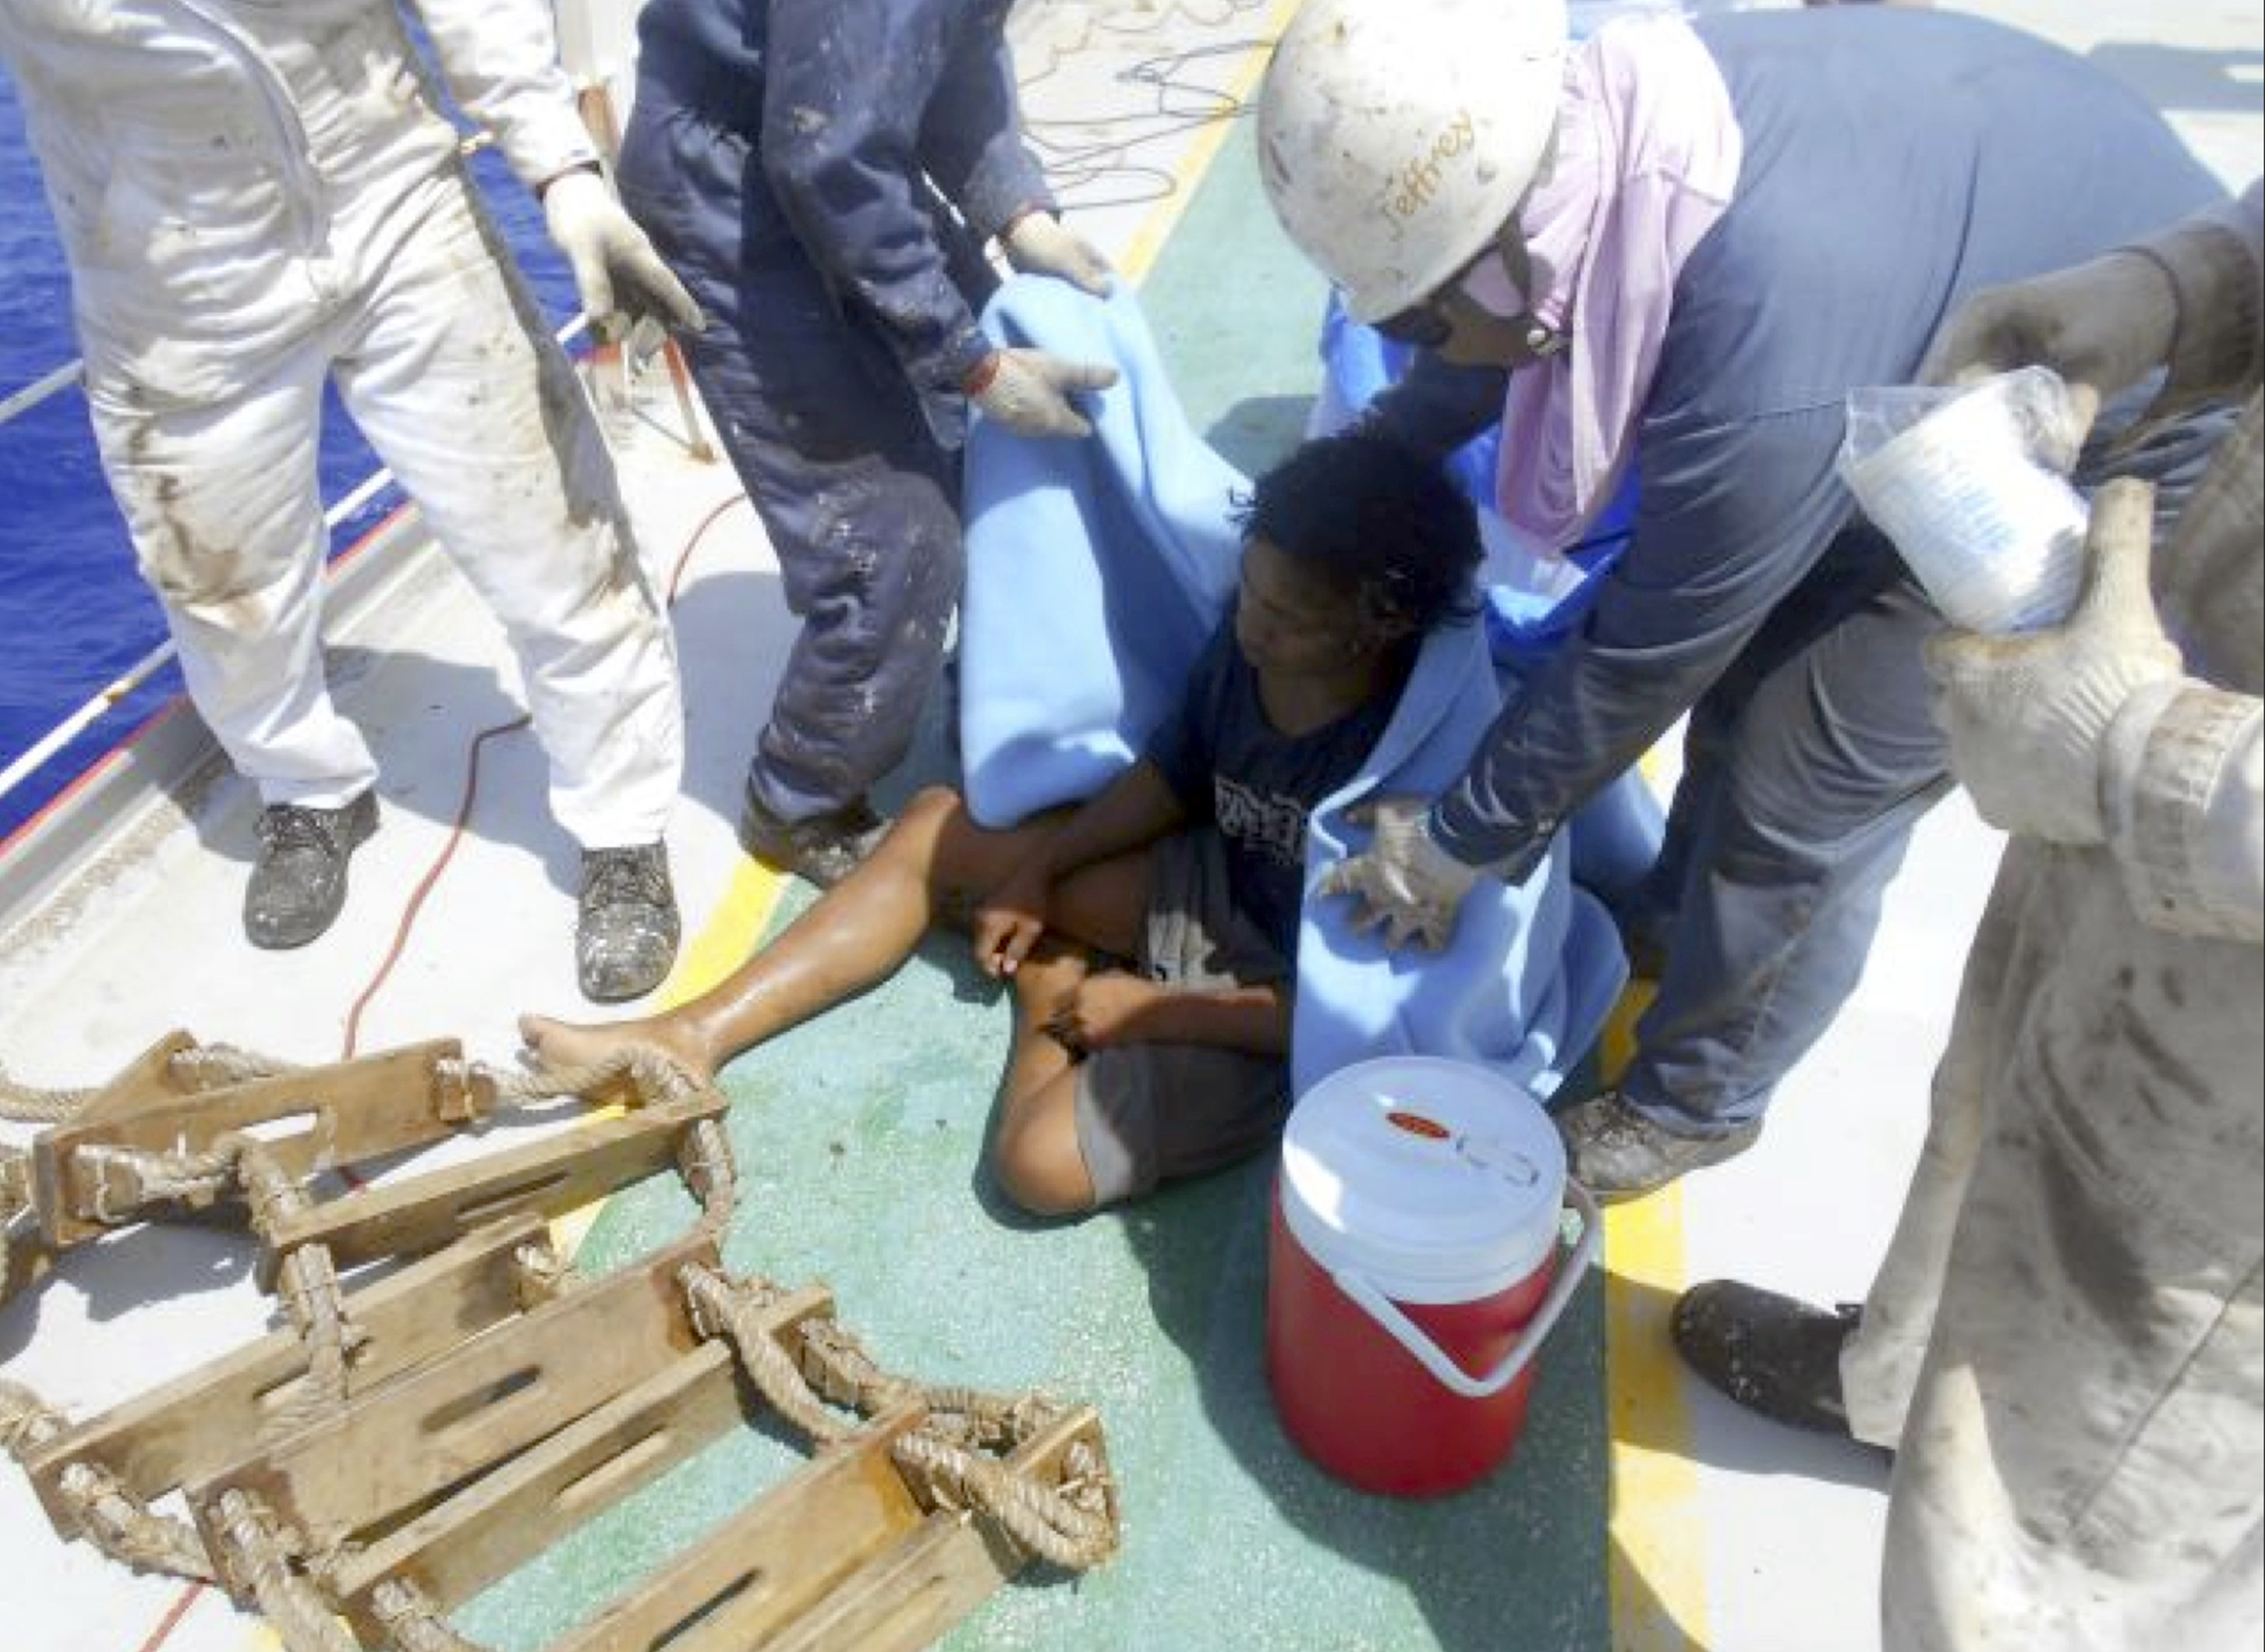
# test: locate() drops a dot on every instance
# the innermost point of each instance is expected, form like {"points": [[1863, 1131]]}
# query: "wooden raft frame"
{"points": [[452, 1474], [331, 1117], [490, 1405]]}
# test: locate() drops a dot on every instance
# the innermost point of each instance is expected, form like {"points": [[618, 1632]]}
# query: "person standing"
{"points": [[1671, 250], [2066, 1343], [823, 174], [257, 200]]}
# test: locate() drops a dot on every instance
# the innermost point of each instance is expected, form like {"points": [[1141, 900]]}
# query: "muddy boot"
{"points": [[626, 932], [298, 883], [1618, 1154], [823, 849], [1773, 1355]]}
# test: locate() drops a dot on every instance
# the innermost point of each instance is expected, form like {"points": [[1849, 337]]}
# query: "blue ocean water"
{"points": [[74, 613]]}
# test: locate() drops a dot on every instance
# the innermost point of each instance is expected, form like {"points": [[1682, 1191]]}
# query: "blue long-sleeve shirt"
{"points": [[1894, 161], [863, 112]]}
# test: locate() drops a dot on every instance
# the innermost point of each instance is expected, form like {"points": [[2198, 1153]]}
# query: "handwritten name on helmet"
{"points": [[1417, 182]]}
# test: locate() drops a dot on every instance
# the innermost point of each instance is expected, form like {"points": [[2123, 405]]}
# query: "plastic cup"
{"points": [[1995, 536]]}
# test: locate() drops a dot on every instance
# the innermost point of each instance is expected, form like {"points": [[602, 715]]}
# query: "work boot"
{"points": [[1773, 1355], [1618, 1154], [626, 932], [823, 849], [298, 883]]}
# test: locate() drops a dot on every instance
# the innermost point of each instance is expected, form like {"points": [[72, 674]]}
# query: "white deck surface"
{"points": [[1769, 1545]]}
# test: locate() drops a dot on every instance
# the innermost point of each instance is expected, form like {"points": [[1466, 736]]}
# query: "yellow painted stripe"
{"points": [[1148, 241], [1656, 1566], [1657, 1578]]}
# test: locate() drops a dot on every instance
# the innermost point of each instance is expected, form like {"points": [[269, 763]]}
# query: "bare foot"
{"points": [[558, 1046]]}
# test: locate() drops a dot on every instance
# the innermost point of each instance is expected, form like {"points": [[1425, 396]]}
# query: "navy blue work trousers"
{"points": [[1806, 766], [858, 493]]}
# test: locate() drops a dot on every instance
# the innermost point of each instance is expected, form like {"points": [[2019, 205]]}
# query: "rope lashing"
{"points": [[15, 1183], [1072, 1525], [257, 1554], [412, 1622], [306, 1282], [104, 1512], [543, 1275], [652, 1077], [1044, 1519], [703, 1159], [212, 1067], [32, 1104], [720, 1308]]}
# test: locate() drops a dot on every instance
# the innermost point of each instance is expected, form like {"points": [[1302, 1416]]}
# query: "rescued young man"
{"points": [[1148, 934]]}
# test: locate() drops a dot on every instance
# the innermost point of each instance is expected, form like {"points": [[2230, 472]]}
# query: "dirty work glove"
{"points": [[1029, 390], [2028, 715], [2103, 326], [620, 278], [1404, 882], [1040, 243]]}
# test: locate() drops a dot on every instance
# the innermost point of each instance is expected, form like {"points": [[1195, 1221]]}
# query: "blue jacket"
{"points": [[876, 129]]}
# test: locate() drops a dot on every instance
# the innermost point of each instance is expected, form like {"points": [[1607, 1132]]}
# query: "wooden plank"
{"points": [[188, 1430], [313, 1120], [905, 1599], [559, 1173], [470, 1409], [768, 1564], [147, 1078], [465, 1542]]}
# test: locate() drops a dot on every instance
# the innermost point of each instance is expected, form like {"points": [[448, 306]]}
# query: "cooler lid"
{"points": [[1424, 1172]]}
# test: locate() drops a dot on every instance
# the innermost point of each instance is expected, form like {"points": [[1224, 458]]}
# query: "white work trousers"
{"points": [[2063, 1344], [444, 367]]}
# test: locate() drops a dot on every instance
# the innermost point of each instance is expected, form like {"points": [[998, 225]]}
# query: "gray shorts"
{"points": [[1148, 1112]]}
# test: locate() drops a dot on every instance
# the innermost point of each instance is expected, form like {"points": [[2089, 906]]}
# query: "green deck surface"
{"points": [[858, 1140]]}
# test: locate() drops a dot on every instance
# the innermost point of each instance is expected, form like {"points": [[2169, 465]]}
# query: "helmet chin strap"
{"points": [[1494, 292], [1502, 286]]}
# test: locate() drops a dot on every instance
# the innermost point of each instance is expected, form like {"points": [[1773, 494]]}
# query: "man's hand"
{"points": [[2027, 715], [2103, 326], [1029, 390], [1101, 1010], [620, 278], [1040, 243], [1403, 881], [1010, 920]]}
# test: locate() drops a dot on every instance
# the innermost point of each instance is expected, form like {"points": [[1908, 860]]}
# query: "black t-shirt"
{"points": [[1229, 766]]}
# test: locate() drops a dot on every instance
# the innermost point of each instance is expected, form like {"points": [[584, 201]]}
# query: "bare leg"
{"points": [[935, 862], [1034, 1151]]}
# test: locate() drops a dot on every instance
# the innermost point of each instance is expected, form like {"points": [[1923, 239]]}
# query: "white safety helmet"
{"points": [[1395, 137]]}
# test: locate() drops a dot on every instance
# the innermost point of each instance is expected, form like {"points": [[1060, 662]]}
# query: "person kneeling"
{"points": [[1149, 933]]}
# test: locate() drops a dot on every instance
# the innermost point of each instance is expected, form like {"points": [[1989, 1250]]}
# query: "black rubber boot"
{"points": [[823, 849], [1618, 1154], [626, 933], [1775, 1354], [298, 883]]}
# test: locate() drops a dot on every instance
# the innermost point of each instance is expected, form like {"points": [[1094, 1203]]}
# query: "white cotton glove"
{"points": [[2103, 326], [1029, 390], [1040, 243], [1403, 881], [2029, 715], [621, 279]]}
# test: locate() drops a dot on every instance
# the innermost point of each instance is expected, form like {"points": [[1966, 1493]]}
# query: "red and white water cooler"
{"points": [[1413, 1270]]}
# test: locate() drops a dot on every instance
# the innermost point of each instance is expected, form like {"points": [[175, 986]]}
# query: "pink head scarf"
{"points": [[1647, 158]]}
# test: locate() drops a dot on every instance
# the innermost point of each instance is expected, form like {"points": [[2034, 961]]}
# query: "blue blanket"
{"points": [[1096, 572]]}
